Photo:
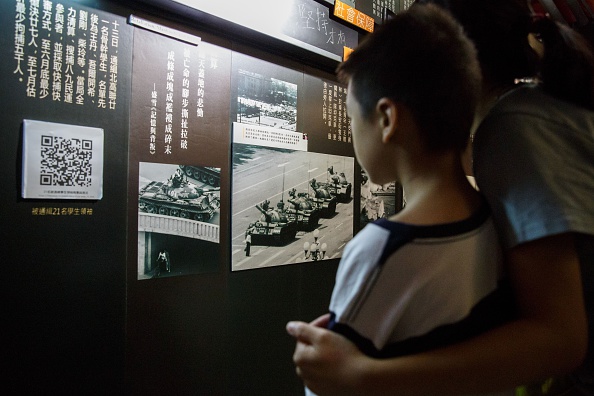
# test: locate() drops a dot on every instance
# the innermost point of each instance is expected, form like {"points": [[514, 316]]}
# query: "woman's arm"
{"points": [[548, 338]]}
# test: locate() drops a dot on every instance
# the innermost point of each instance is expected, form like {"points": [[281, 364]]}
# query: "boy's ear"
{"points": [[388, 118]]}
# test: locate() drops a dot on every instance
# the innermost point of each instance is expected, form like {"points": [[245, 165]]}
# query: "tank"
{"points": [[338, 185], [204, 174], [273, 227], [179, 198], [302, 210], [386, 190], [322, 199]]}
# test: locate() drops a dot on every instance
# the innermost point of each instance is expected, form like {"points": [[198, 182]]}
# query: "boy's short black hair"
{"points": [[423, 59]]}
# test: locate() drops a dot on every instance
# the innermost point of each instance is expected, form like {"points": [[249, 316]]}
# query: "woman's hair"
{"points": [[567, 67], [422, 59], [500, 29]]}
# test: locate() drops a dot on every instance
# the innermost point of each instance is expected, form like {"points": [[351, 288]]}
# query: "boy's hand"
{"points": [[323, 358]]}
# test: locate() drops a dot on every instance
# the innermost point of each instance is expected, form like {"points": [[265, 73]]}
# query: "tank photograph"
{"points": [[378, 201], [287, 207], [176, 212]]}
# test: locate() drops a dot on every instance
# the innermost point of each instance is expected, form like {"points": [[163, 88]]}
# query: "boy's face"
{"points": [[366, 138]]}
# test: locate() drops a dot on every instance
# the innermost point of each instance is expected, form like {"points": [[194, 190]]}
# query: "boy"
{"points": [[430, 275]]}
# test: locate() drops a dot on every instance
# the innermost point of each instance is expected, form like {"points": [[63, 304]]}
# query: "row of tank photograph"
{"points": [[289, 206]]}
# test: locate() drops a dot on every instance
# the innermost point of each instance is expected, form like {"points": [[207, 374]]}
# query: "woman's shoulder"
{"points": [[531, 99], [527, 111]]}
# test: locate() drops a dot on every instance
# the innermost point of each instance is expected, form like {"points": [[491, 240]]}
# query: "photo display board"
{"points": [[178, 154], [292, 167], [189, 101]]}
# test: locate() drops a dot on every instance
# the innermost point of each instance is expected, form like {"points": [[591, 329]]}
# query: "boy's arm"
{"points": [[549, 338]]}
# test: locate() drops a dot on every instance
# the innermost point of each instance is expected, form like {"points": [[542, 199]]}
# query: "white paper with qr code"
{"points": [[62, 161]]}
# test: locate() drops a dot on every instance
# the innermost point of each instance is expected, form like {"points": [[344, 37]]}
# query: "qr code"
{"points": [[65, 161]]}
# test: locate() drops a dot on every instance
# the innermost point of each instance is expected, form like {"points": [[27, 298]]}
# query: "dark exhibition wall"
{"points": [[177, 185], [142, 143]]}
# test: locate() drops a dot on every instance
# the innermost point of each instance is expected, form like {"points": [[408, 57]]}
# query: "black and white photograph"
{"points": [[378, 201], [289, 206], [178, 219], [265, 94], [266, 101]]}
